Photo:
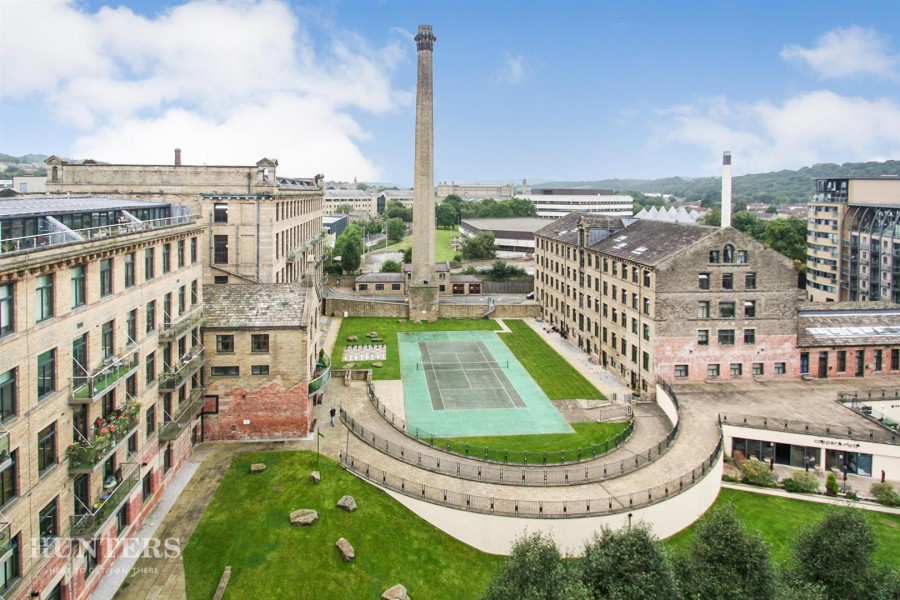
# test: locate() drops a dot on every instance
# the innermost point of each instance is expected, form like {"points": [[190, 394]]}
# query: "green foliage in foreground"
{"points": [[536, 571], [628, 564], [246, 526], [558, 379]]}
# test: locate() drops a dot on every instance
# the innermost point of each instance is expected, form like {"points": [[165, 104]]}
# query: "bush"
{"points": [[457, 257], [885, 494], [851, 495], [831, 485], [756, 472], [802, 483], [730, 478], [455, 264]]}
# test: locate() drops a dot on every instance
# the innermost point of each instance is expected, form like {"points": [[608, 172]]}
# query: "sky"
{"points": [[528, 89]]}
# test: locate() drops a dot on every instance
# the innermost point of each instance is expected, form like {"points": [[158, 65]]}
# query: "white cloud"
{"points": [[229, 81], [810, 128], [847, 52], [513, 71]]}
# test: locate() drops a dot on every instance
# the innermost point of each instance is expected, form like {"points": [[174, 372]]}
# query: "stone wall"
{"points": [[370, 308], [365, 308]]}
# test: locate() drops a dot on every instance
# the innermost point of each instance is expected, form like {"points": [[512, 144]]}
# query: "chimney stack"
{"points": [[177, 157], [726, 189]]}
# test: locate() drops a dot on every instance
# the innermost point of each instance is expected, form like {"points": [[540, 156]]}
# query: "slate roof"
{"points": [[440, 267], [565, 229], [380, 278], [650, 242], [464, 279], [241, 306], [848, 324]]}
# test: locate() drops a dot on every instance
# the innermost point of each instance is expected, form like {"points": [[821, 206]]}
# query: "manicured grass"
{"points": [[778, 519], [387, 329], [246, 526], [442, 250], [558, 379], [559, 447]]}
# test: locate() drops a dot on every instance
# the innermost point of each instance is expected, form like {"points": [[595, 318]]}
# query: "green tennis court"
{"points": [[468, 383]]}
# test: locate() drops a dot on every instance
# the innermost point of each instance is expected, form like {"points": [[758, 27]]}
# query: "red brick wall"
{"points": [[272, 413], [767, 350]]}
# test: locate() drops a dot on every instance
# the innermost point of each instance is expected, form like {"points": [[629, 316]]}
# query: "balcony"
{"points": [[87, 525], [5, 456], [85, 455], [90, 387], [173, 425], [172, 330], [5, 542], [174, 377], [322, 375]]}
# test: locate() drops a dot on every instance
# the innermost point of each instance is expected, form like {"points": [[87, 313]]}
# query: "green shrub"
{"points": [[726, 458], [831, 485], [802, 483], [851, 495], [455, 264], [756, 472], [885, 494], [730, 478], [457, 257]]}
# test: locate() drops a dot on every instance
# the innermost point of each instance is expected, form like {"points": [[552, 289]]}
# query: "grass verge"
{"points": [[246, 526], [558, 379], [442, 250]]}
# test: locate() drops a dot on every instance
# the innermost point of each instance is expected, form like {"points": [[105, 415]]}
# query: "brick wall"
{"points": [[265, 413]]}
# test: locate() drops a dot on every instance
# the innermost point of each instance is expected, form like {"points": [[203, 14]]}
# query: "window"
{"points": [[842, 361], [195, 296], [108, 339], [726, 310], [742, 257], [79, 288], [122, 519], [704, 281], [129, 270], [147, 486], [220, 213], [180, 253], [9, 568], [167, 258], [646, 332], [727, 281], [379, 287], [750, 281], [46, 373], [646, 278], [895, 359], [703, 310], [728, 254], [225, 371], [150, 368], [646, 358], [8, 396], [106, 277], [758, 369], [714, 256], [259, 370], [131, 326], [681, 371], [259, 342], [712, 370], [220, 249], [224, 343], [779, 368], [43, 297], [395, 286], [193, 251], [878, 359], [151, 316], [726, 337], [149, 264], [7, 312], [363, 287], [749, 308], [703, 337], [46, 448], [151, 420], [749, 336], [48, 527], [736, 369], [646, 306], [91, 557], [8, 483], [220, 279]]}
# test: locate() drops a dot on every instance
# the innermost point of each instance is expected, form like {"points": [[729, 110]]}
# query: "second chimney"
{"points": [[177, 157], [726, 189]]}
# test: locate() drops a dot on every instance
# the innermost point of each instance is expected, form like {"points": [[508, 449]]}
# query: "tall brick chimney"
{"points": [[177, 157]]}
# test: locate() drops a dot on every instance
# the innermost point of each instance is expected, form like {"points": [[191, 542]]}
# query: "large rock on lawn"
{"points": [[315, 477], [304, 516], [346, 550], [347, 503], [352, 338], [257, 468], [398, 592], [378, 364]]}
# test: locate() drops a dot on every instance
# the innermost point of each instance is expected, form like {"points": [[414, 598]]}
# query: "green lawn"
{"points": [[246, 526], [778, 520], [387, 329], [559, 447], [442, 250], [558, 379]]}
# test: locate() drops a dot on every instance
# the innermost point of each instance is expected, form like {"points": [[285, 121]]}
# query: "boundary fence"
{"points": [[862, 434]]}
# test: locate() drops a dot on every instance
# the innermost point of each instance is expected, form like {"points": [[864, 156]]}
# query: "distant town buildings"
{"points": [[512, 237], [556, 203], [671, 215], [475, 190]]}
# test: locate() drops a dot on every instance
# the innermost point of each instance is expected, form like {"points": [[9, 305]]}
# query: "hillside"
{"points": [[779, 187], [29, 164]]}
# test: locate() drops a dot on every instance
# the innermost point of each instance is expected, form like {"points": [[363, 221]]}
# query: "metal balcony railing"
{"points": [[91, 386], [174, 328], [5, 541], [86, 454], [5, 456], [173, 377], [173, 425], [322, 374], [88, 524]]}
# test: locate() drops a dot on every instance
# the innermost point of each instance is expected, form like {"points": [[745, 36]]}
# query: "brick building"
{"points": [[100, 380]]}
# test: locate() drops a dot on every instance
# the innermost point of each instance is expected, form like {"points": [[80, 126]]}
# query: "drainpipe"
{"points": [[257, 239]]}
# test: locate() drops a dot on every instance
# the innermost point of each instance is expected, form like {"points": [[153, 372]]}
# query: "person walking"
{"points": [[332, 412]]}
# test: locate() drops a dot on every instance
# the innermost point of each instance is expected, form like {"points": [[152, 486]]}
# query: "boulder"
{"points": [[257, 468], [352, 338], [347, 503], [346, 550], [377, 364], [304, 516], [315, 477], [398, 592]]}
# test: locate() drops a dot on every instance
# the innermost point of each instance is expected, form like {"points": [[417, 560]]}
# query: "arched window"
{"points": [[728, 254]]}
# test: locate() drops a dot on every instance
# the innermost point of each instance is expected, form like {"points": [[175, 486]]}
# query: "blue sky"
{"points": [[531, 89]]}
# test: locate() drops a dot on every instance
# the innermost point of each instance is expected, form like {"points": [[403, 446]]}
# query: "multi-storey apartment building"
{"points": [[553, 203], [474, 190], [100, 380], [853, 240], [359, 201], [651, 299]]}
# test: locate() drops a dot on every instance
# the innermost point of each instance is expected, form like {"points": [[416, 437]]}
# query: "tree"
{"points": [[536, 571], [349, 246], [725, 560], [628, 564], [749, 224], [500, 271], [446, 215], [788, 236], [344, 209], [844, 574], [391, 266], [713, 217], [479, 247], [407, 256], [395, 210], [395, 228]]}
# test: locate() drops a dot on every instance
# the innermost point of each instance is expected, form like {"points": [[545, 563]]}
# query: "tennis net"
{"points": [[488, 365]]}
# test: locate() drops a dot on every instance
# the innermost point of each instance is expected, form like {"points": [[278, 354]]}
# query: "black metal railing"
{"points": [[862, 434]]}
